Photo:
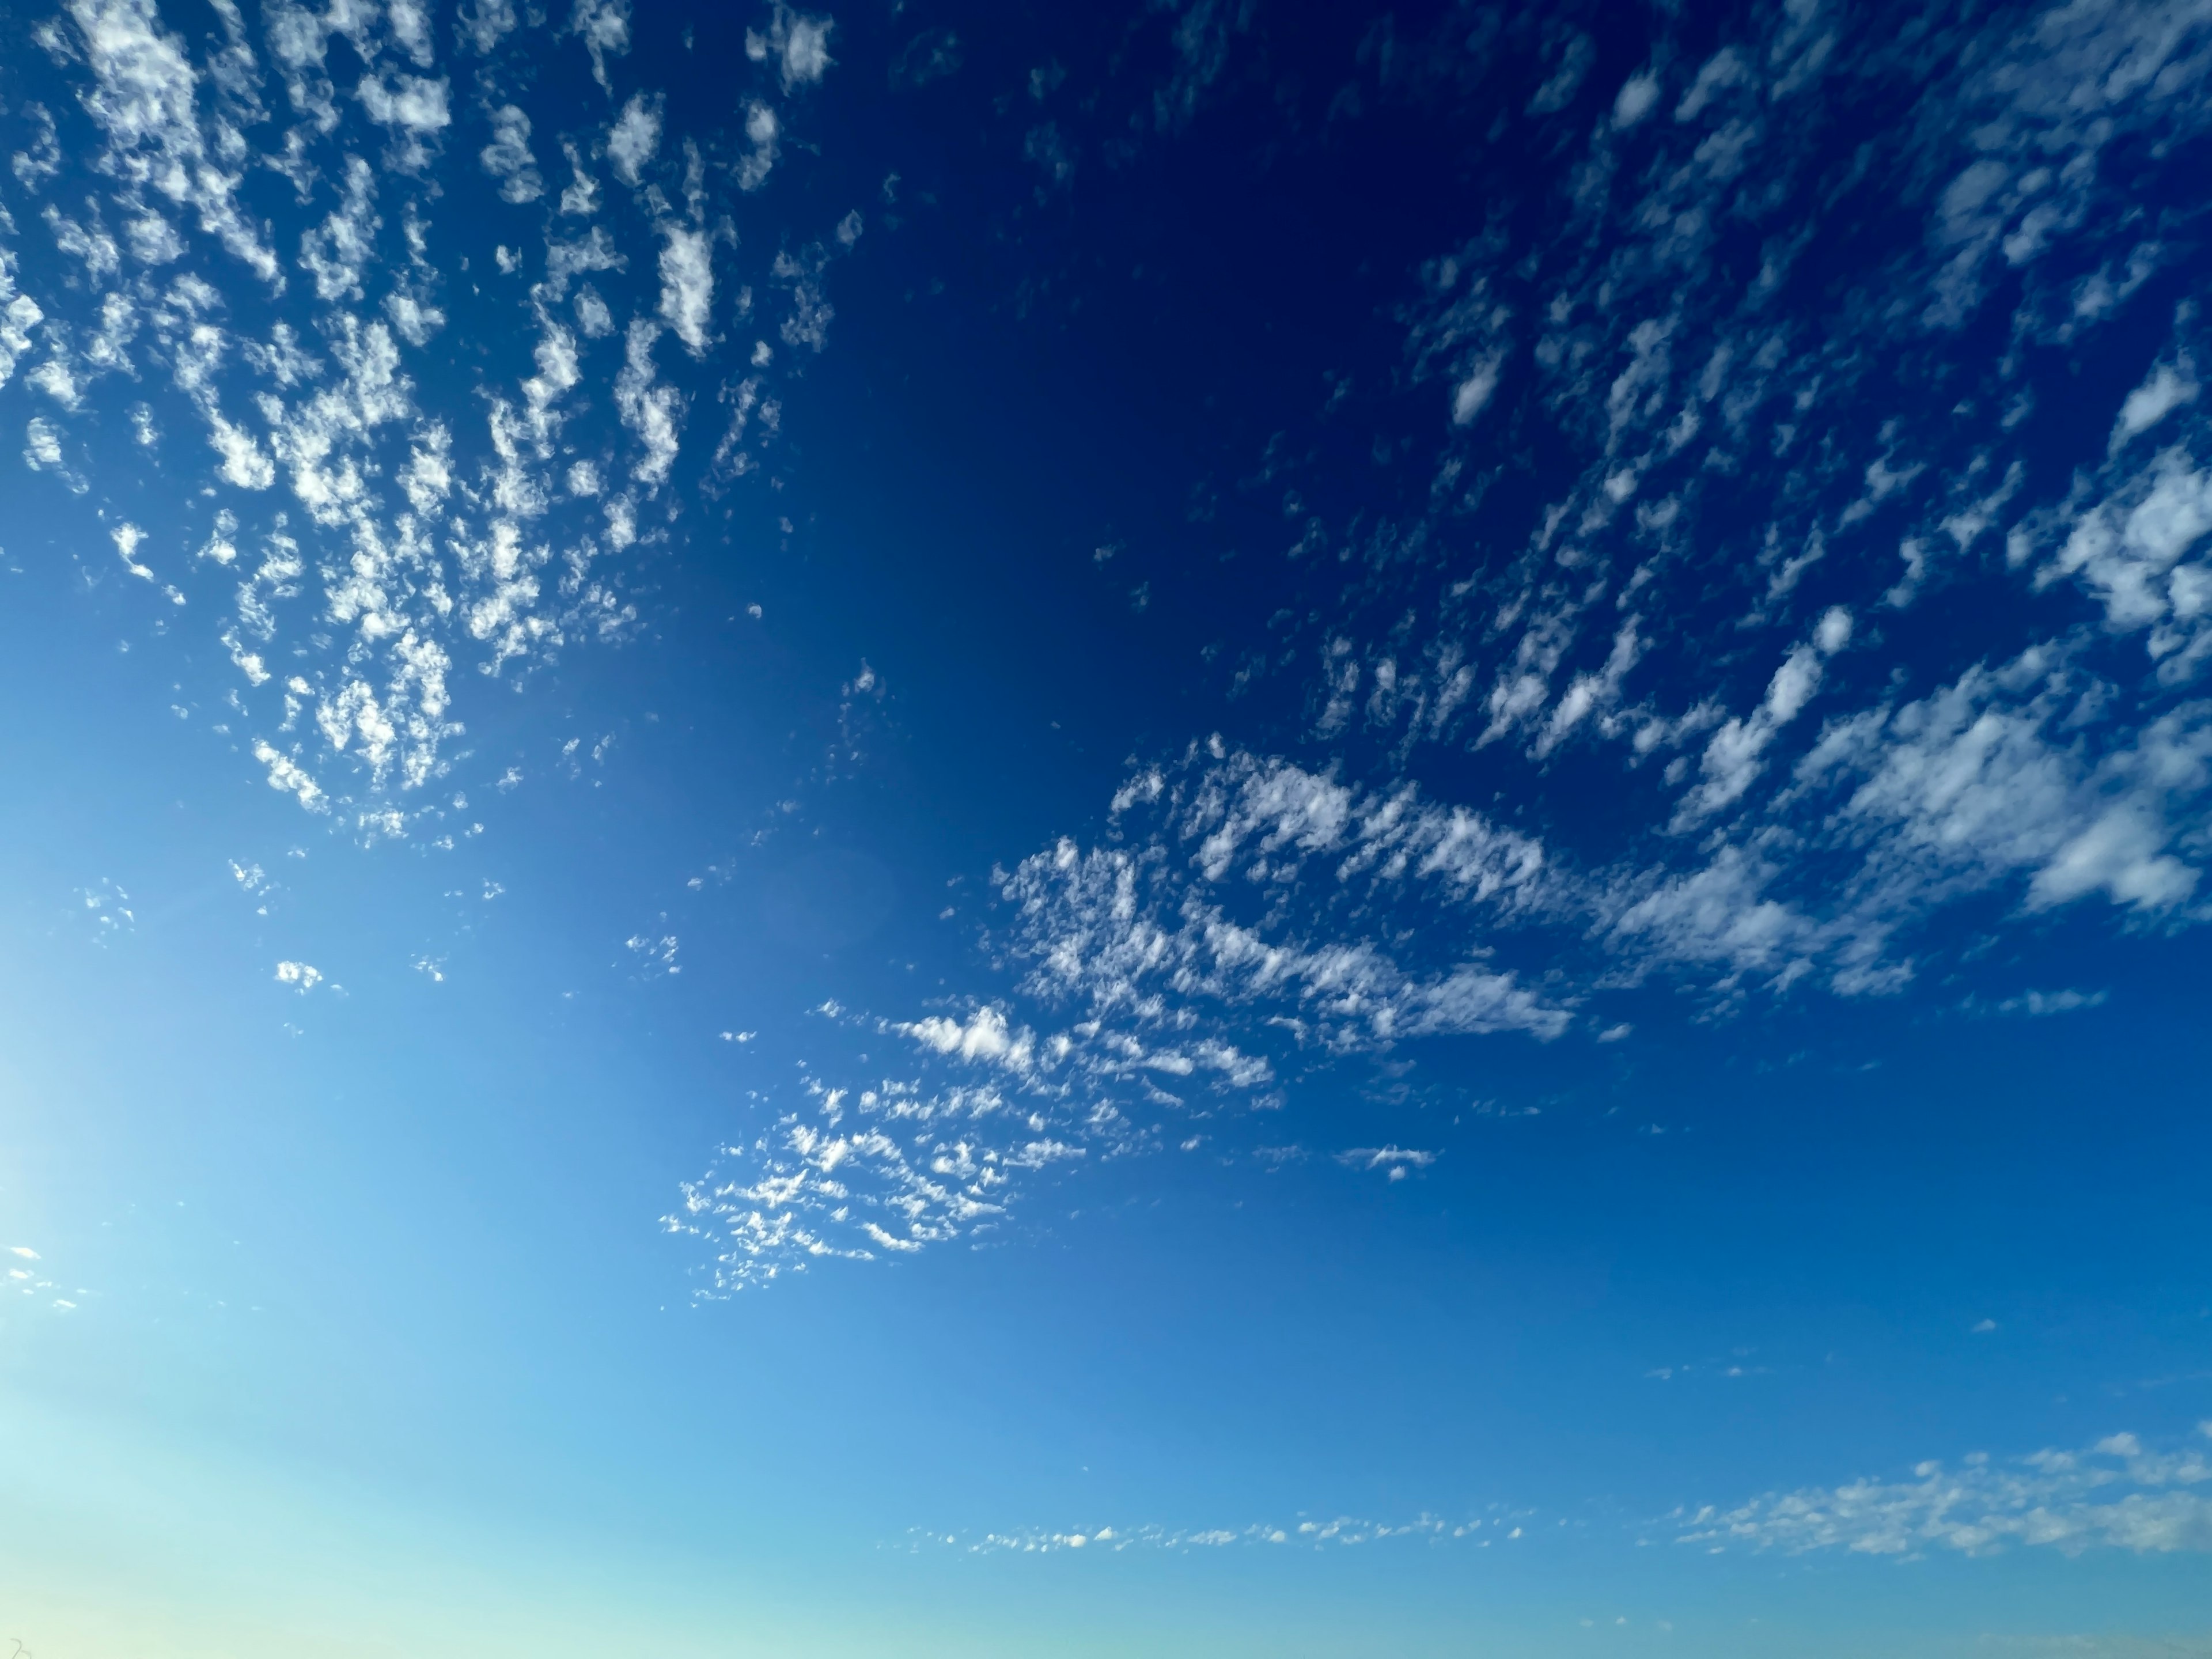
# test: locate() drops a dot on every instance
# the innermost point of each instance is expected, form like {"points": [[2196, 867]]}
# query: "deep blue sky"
{"points": [[1202, 828]]}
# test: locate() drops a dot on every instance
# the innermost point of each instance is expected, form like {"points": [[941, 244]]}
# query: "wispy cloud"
{"points": [[1335, 1532], [2115, 1494]]}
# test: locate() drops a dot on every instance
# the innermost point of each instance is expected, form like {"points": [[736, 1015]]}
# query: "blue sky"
{"points": [[1198, 829]]}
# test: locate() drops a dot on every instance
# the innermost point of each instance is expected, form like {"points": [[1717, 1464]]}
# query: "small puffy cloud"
{"points": [[416, 110], [798, 44], [986, 1035], [301, 977], [507, 157], [287, 776], [243, 461], [1637, 97], [42, 445], [603, 28], [1473, 393], [762, 130], [486, 23], [634, 138], [1392, 1161], [337, 251], [687, 285]]}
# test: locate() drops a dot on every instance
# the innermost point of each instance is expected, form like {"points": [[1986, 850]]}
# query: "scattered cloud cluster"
{"points": [[1765, 484], [385, 520], [26, 1278], [880, 1172], [1342, 1531], [1725, 598], [2115, 1494], [1190, 923]]}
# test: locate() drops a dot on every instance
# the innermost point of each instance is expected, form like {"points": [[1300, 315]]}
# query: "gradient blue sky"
{"points": [[1195, 828]]}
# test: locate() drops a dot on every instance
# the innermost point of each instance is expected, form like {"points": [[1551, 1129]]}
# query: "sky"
{"points": [[1191, 828]]}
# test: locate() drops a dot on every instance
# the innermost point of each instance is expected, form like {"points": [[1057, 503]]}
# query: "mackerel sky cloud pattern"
{"points": [[1208, 608]]}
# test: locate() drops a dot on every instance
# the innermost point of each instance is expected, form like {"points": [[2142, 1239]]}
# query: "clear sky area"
{"points": [[1185, 827]]}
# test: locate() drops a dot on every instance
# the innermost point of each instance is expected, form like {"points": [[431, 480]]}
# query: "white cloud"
{"points": [[810, 317], [416, 321], [19, 315], [603, 28], [153, 240], [53, 377], [985, 1036], [42, 452], [300, 975], [507, 157], [410, 28], [1736, 753], [594, 251], [581, 198], [487, 22], [687, 285], [1497, 1526], [651, 411], [339, 250], [1126, 934], [415, 109], [1472, 395], [635, 137], [2037, 1004], [762, 130], [407, 542], [836, 1182], [1636, 99], [798, 45], [1592, 693], [94, 248], [43, 160], [2112, 1495], [287, 776], [144, 100], [1392, 1161], [2168, 387], [2130, 550], [127, 538], [1979, 779], [1721, 915], [244, 464]]}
